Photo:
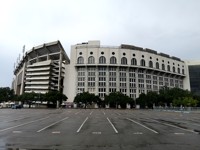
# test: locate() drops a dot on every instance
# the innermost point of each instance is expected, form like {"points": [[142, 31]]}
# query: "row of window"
{"points": [[132, 82], [113, 60]]}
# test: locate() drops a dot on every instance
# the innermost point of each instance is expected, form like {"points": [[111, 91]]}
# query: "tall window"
{"points": [[183, 71], [174, 69], [150, 64], [157, 65], [124, 61], [113, 60], [133, 61], [91, 60], [102, 60], [168, 67], [163, 67], [179, 70], [142, 62], [80, 60]]}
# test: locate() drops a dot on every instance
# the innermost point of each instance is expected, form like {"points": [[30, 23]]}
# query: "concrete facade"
{"points": [[98, 69], [126, 68], [41, 69]]}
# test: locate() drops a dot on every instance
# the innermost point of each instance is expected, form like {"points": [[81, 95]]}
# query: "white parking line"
{"points": [[23, 124], [82, 125], [112, 125], [91, 112], [179, 133], [179, 128], [167, 124], [118, 113], [77, 112], [96, 132], [52, 124], [56, 132], [104, 113], [17, 131], [142, 125], [138, 133]]}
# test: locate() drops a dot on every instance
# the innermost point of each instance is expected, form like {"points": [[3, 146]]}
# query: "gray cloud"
{"points": [[168, 26]]}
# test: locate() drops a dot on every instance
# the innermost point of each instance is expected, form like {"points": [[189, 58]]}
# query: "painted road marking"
{"points": [[56, 132], [104, 113], [96, 132], [82, 125], [77, 112], [167, 124], [23, 124], [52, 124], [17, 131], [118, 113], [188, 130], [142, 125], [138, 133], [112, 125], [179, 133], [91, 112]]}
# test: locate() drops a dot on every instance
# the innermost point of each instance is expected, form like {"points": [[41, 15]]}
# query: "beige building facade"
{"points": [[126, 68]]}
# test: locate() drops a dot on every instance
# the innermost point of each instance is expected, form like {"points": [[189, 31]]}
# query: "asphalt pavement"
{"points": [[98, 129]]}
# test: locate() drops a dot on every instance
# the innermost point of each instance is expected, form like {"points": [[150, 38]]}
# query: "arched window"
{"points": [[91, 60], [80, 60], [150, 64], [174, 70], [142, 62], [113, 60], [102, 60], [133, 61], [163, 67], [183, 71], [157, 65], [168, 67], [124, 61], [178, 70]]}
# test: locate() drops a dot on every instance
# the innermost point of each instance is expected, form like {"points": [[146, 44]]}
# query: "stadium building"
{"points": [[129, 69], [98, 69], [41, 69]]}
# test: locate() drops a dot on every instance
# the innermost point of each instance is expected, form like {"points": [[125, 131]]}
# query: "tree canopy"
{"points": [[86, 99], [167, 97], [6, 94], [117, 98], [51, 97], [54, 96]]}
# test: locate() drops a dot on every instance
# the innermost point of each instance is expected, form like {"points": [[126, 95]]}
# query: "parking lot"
{"points": [[93, 129]]}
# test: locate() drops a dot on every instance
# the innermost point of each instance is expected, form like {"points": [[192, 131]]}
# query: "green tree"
{"points": [[142, 100], [53, 96], [197, 97], [151, 99], [117, 98], [6, 94], [27, 97], [185, 101], [86, 98], [98, 101], [167, 95]]}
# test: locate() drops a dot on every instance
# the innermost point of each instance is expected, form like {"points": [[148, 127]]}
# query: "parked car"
{"points": [[16, 106]]}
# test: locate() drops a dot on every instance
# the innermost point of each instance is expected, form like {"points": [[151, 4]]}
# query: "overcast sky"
{"points": [[167, 26]]}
